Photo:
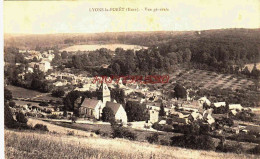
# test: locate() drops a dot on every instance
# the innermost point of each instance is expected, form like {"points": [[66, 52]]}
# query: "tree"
{"points": [[8, 117], [64, 55], [58, 93], [161, 112], [187, 55], [20, 117], [136, 111], [255, 72], [11, 103], [69, 100], [180, 91], [118, 95], [108, 115], [7, 94]]}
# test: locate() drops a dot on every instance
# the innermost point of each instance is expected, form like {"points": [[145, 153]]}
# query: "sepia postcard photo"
{"points": [[129, 79]]}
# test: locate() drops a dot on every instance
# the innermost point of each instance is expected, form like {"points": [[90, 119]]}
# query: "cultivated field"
{"points": [[208, 80], [37, 145], [95, 47]]}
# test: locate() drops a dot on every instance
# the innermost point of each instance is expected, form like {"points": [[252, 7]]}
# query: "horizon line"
{"points": [[131, 31]]}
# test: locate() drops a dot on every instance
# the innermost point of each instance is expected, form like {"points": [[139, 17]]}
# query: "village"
{"points": [[160, 110]]}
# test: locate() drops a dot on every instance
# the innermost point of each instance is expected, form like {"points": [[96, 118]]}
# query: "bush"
{"points": [[167, 128], [97, 132], [255, 150], [153, 138], [164, 142], [12, 104], [53, 116], [41, 127], [8, 117], [58, 93], [20, 117], [121, 132], [237, 148], [203, 142], [43, 104]]}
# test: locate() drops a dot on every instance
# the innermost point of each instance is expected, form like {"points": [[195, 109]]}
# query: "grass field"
{"points": [[208, 80], [23, 145], [95, 47], [141, 134]]}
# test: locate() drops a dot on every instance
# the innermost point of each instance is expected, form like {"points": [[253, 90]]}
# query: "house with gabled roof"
{"points": [[91, 108], [219, 104], [118, 110]]}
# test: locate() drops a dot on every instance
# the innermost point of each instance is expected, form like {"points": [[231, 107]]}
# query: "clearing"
{"points": [[112, 47]]}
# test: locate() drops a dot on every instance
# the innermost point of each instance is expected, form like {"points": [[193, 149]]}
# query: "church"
{"points": [[92, 108]]}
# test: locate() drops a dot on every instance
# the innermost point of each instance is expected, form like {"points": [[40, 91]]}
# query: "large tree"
{"points": [[108, 115], [180, 91], [69, 100], [136, 111]]}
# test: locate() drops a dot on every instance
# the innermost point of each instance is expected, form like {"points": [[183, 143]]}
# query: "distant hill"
{"points": [[30, 41]]}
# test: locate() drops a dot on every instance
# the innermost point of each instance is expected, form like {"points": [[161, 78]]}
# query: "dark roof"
{"points": [[89, 103], [113, 106]]}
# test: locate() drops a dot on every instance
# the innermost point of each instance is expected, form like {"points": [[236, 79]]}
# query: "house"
{"points": [[180, 120], [119, 111], [219, 104], [154, 116], [195, 116], [203, 100], [44, 66], [153, 106], [235, 107], [91, 108]]}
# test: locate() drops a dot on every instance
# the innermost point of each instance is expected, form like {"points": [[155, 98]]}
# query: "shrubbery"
{"points": [[203, 142], [20, 117], [53, 116], [167, 128], [120, 132], [41, 127], [153, 138], [237, 148], [58, 93], [255, 150]]}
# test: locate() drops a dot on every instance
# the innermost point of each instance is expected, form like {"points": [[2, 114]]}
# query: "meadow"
{"points": [[28, 144], [19, 92], [95, 47]]}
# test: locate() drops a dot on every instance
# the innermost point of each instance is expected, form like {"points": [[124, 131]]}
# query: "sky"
{"points": [[42, 17]]}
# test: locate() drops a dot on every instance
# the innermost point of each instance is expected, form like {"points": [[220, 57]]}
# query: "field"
{"points": [[39, 145], [95, 47], [19, 92], [141, 134], [208, 80]]}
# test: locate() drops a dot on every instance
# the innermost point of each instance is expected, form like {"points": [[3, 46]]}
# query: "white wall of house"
{"points": [[121, 115], [98, 110]]}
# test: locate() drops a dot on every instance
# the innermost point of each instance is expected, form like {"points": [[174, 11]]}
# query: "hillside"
{"points": [[38, 145]]}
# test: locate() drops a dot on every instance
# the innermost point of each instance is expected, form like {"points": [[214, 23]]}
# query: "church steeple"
{"points": [[104, 93]]}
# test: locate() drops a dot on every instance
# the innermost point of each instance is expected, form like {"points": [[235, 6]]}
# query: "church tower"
{"points": [[104, 93]]}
